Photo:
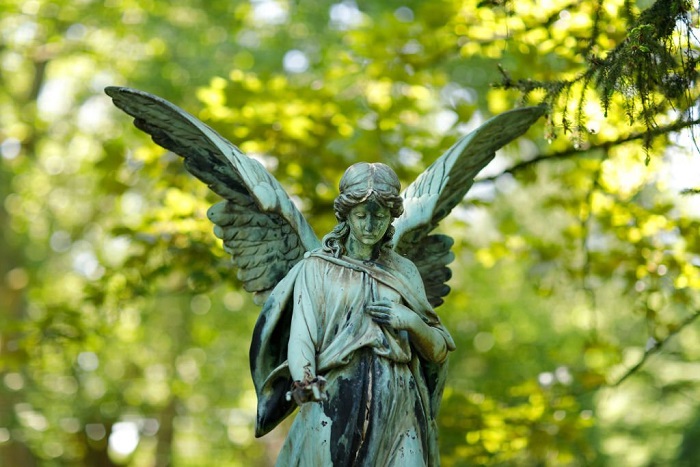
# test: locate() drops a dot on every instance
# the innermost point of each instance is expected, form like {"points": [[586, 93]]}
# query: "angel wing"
{"points": [[260, 226], [433, 195]]}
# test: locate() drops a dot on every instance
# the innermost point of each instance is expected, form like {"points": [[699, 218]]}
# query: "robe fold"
{"points": [[383, 395]]}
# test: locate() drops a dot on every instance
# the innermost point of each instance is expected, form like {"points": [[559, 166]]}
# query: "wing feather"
{"points": [[442, 186], [260, 226]]}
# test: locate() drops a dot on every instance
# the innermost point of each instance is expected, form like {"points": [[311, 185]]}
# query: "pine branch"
{"points": [[648, 70]]}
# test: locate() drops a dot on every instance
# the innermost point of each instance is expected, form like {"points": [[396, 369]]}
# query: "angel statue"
{"points": [[348, 330]]}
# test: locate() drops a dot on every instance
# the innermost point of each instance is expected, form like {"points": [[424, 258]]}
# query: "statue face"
{"points": [[368, 222]]}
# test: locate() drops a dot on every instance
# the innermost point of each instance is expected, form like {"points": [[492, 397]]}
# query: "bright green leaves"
{"points": [[539, 424], [572, 270], [637, 68]]}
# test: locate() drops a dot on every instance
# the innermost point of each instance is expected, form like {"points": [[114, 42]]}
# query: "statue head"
{"points": [[364, 183]]}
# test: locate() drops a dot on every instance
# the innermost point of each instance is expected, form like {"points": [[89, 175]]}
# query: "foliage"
{"points": [[652, 68], [124, 332]]}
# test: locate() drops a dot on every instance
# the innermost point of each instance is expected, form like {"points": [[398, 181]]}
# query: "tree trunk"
{"points": [[165, 436]]}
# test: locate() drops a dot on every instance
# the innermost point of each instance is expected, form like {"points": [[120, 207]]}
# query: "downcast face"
{"points": [[369, 222]]}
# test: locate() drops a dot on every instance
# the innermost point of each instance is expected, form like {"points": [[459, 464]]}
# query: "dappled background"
{"points": [[124, 332]]}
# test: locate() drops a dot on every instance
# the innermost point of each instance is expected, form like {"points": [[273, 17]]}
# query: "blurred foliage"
{"points": [[124, 332]]}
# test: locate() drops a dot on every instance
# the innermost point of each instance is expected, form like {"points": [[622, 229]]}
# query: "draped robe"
{"points": [[383, 395]]}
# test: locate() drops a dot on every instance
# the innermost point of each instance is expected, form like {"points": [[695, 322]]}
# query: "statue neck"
{"points": [[359, 251]]}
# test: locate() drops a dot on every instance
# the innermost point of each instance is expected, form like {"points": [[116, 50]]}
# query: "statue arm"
{"points": [[303, 338], [301, 352], [429, 341], [427, 336]]}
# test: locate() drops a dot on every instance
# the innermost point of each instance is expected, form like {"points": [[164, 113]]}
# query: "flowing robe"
{"points": [[382, 394]]}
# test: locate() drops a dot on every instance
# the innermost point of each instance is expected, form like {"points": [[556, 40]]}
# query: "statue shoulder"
{"points": [[314, 259], [314, 256], [404, 266]]}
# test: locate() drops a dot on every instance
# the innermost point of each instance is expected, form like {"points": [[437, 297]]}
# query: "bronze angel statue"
{"points": [[348, 330]]}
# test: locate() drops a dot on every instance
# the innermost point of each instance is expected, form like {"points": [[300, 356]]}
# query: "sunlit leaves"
{"points": [[514, 434], [125, 329]]}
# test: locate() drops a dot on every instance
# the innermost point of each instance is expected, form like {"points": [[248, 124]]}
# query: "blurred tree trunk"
{"points": [[98, 454], [14, 279], [165, 435], [13, 452]]}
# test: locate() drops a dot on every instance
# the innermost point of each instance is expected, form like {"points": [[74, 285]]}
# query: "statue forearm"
{"points": [[302, 360], [301, 349], [428, 340], [308, 386]]}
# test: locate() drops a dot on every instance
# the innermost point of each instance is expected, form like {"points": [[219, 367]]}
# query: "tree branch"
{"points": [[573, 152], [654, 347]]}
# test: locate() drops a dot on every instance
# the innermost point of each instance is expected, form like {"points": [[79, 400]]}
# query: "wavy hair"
{"points": [[363, 182]]}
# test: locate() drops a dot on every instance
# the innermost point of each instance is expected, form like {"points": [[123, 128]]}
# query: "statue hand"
{"points": [[388, 313], [313, 390]]}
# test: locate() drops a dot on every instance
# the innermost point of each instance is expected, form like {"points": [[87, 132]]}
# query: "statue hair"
{"points": [[364, 182]]}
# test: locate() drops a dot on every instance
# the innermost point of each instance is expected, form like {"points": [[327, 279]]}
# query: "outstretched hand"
{"points": [[389, 313]]}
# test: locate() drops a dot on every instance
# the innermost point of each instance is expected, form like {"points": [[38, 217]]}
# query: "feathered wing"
{"points": [[433, 195], [260, 226]]}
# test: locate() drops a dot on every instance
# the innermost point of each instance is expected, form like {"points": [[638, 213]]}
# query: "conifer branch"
{"points": [[648, 70]]}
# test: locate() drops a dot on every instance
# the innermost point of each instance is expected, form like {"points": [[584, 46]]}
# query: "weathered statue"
{"points": [[348, 330]]}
